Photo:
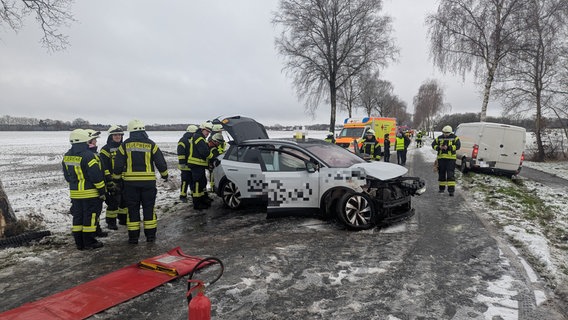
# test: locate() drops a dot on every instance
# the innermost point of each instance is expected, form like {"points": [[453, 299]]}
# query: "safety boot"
{"points": [[199, 203], [133, 236], [78, 236], [150, 234], [100, 233], [111, 223], [89, 241], [122, 219]]}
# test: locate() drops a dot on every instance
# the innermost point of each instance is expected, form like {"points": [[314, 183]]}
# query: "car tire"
{"points": [[355, 211], [231, 195]]}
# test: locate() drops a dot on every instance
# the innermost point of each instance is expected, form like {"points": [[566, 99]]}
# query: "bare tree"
{"points": [[50, 14], [348, 94], [428, 103], [369, 84], [476, 35], [398, 111], [531, 75], [327, 42]]}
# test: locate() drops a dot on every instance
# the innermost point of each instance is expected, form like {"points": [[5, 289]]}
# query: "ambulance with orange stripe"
{"points": [[354, 129]]}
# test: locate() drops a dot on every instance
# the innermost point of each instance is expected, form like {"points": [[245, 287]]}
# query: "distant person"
{"points": [[330, 137], [401, 146], [116, 209], [134, 164], [446, 146], [371, 146], [82, 170], [387, 145], [419, 139], [183, 146]]}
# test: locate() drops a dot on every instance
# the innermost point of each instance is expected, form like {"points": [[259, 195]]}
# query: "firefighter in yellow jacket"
{"points": [[83, 171], [134, 164], [115, 204], [446, 146], [197, 162]]}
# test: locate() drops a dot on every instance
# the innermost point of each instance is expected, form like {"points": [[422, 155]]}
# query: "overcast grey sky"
{"points": [[188, 61]]}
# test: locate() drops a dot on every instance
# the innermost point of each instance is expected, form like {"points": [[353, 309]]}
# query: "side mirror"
{"points": [[311, 167]]}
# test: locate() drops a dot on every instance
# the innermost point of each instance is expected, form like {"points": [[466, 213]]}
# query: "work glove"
{"points": [[165, 178], [102, 196]]}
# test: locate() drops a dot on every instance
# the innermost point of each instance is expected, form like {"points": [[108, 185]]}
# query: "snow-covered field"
{"points": [[30, 168]]}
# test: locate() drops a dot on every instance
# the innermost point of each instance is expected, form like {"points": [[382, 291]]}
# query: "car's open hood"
{"points": [[381, 170], [243, 128]]}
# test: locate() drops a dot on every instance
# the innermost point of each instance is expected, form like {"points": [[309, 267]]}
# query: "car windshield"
{"points": [[333, 155], [351, 132]]}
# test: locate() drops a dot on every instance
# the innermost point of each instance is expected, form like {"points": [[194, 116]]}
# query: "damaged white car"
{"points": [[310, 176]]}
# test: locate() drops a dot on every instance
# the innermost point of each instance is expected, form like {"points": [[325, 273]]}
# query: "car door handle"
{"points": [[232, 169]]}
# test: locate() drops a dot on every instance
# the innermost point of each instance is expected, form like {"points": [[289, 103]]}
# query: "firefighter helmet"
{"points": [[207, 126], [371, 131], [79, 136], [217, 127], [136, 125], [93, 134], [218, 137], [447, 129], [192, 128], [115, 129]]}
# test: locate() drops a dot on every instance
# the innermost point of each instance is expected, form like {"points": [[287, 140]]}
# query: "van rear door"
{"points": [[502, 146]]}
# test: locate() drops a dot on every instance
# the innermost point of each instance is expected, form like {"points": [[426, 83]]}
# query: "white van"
{"points": [[491, 147]]}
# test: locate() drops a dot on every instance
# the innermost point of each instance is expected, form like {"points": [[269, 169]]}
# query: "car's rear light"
{"points": [[475, 151], [522, 158]]}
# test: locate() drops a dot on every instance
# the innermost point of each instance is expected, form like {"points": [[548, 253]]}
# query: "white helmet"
{"points": [[206, 125], [447, 129], [136, 125], [329, 133], [79, 136], [93, 134], [217, 127], [371, 131], [115, 129], [191, 128], [218, 137]]}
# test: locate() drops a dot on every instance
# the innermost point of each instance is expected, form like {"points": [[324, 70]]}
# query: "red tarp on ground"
{"points": [[109, 290]]}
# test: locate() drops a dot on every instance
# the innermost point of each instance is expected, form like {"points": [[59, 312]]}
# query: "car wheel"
{"points": [[463, 165], [355, 211], [231, 195]]}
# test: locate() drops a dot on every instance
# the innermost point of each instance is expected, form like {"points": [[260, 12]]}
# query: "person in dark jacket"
{"points": [[197, 162], [446, 146], [330, 137], [114, 200], [183, 147], [371, 146], [83, 171], [134, 165], [387, 146]]}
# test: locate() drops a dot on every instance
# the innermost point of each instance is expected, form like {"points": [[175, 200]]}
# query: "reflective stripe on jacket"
{"points": [[136, 158], [82, 170], [451, 141]]}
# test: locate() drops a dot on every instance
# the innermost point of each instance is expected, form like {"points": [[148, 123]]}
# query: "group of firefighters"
{"points": [[123, 174]]}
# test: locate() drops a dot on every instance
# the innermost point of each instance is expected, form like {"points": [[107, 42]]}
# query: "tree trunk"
{"points": [[7, 215], [538, 130], [333, 100], [486, 93]]}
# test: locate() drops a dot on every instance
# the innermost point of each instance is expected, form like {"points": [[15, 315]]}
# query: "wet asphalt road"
{"points": [[443, 263]]}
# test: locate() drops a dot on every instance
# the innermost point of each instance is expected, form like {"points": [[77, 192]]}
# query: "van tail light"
{"points": [[522, 158], [475, 151]]}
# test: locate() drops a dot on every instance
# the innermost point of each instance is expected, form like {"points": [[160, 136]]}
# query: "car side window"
{"points": [[268, 156], [291, 160]]}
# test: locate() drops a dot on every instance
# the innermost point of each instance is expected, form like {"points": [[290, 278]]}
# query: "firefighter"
{"points": [[371, 146], [114, 200], [330, 137], [197, 162], [82, 170], [183, 152], [386, 153], [401, 146], [446, 146], [419, 139], [214, 152], [134, 164], [94, 135]]}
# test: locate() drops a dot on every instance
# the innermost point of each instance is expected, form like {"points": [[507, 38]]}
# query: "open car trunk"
{"points": [[243, 128]]}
